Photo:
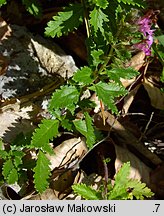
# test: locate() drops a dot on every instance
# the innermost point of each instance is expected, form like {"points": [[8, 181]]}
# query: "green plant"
{"points": [[124, 188], [113, 36], [32, 6]]}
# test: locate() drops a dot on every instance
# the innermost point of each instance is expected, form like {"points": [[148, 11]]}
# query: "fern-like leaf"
{"points": [[66, 21], [42, 172], [139, 190], [97, 20], [121, 179], [33, 7], [138, 3], [101, 3], [42, 135], [86, 192]]}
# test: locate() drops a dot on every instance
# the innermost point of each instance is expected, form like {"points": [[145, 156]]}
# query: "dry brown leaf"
{"points": [[3, 64], [129, 99], [137, 61], [67, 153], [5, 30], [155, 94], [48, 194], [157, 181], [138, 170], [14, 120]]}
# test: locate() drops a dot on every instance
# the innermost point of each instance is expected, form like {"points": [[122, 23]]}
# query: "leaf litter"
{"points": [[68, 152]]}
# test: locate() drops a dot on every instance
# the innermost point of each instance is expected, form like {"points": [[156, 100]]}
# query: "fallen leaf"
{"points": [[138, 169], [137, 61], [157, 181], [129, 99], [155, 94], [67, 153], [3, 64], [5, 30]]}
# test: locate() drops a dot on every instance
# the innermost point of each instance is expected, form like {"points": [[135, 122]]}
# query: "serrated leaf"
{"points": [[66, 21], [17, 161], [1, 145], [3, 154], [83, 76], [139, 190], [42, 135], [121, 177], [33, 7], [42, 172], [81, 126], [101, 3], [117, 73], [139, 3], [119, 190], [97, 19], [64, 98], [90, 135], [85, 128], [107, 93], [96, 57], [86, 192], [67, 124], [7, 167], [13, 176]]}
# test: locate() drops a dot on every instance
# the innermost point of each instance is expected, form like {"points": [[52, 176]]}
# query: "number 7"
{"points": [[157, 207]]}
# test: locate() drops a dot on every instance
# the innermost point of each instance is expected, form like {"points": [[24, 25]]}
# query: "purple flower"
{"points": [[144, 24]]}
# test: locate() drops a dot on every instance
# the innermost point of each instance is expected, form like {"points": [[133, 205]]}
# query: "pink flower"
{"points": [[144, 24]]}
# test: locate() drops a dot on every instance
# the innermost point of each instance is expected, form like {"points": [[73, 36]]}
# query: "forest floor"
{"points": [[27, 80]]}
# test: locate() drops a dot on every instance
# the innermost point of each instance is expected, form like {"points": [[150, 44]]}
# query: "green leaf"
{"points": [[107, 92], [67, 124], [7, 167], [162, 75], [97, 19], [101, 3], [3, 154], [96, 56], [13, 176], [42, 172], [139, 190], [160, 38], [119, 190], [83, 76], [121, 177], [42, 135], [81, 126], [86, 192], [33, 7], [117, 73], [85, 127], [138, 3], [2, 2], [66, 21], [64, 98], [1, 144], [90, 135]]}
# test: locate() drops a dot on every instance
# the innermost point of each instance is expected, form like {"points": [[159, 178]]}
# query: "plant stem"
{"points": [[86, 20]]}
